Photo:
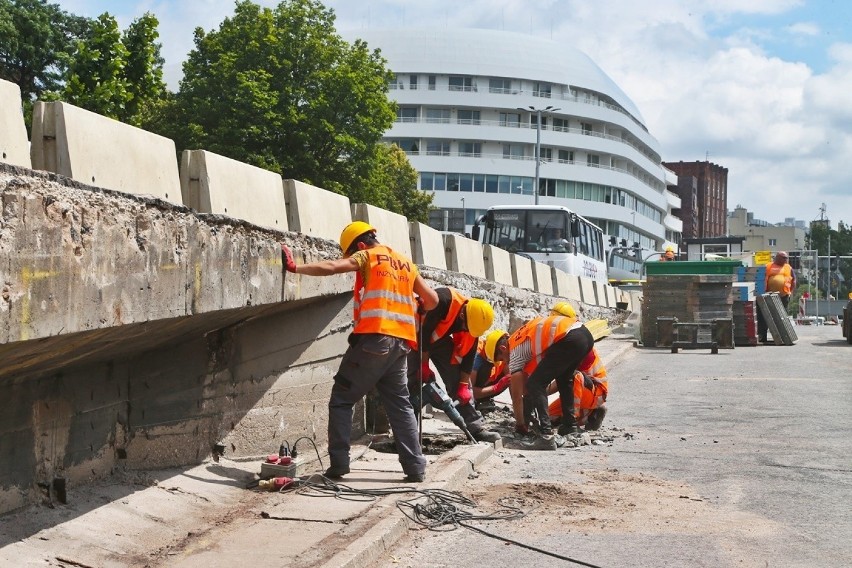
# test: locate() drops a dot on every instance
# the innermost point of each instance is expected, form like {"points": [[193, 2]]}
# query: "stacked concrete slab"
{"points": [[588, 292], [543, 278], [14, 146], [566, 285], [522, 272], [427, 245], [391, 228], [97, 150], [211, 183], [464, 255], [315, 211]]}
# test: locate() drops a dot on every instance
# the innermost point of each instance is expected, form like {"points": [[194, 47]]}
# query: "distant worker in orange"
{"points": [[385, 333], [780, 278], [668, 255]]}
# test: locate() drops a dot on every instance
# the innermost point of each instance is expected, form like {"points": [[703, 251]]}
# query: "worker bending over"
{"points": [[385, 333], [544, 349], [449, 335]]}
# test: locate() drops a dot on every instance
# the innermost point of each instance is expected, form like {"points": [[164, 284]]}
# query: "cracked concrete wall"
{"points": [[137, 334]]}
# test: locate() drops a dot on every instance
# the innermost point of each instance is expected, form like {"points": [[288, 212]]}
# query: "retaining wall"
{"points": [[14, 146]]}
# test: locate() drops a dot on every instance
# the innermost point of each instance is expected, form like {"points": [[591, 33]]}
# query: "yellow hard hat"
{"points": [[491, 341], [563, 309], [480, 316], [351, 232]]}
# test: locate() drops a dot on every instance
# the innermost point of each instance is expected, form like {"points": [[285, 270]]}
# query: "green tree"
{"points": [[36, 40], [143, 71], [280, 89]]}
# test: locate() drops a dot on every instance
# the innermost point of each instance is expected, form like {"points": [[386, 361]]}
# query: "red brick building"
{"points": [[710, 191]]}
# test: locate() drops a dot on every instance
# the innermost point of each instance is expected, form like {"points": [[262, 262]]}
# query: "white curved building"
{"points": [[459, 93]]}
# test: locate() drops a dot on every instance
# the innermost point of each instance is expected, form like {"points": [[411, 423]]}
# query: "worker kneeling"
{"points": [[590, 392], [490, 369]]}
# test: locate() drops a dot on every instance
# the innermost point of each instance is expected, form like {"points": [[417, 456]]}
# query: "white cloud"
{"points": [[804, 29]]}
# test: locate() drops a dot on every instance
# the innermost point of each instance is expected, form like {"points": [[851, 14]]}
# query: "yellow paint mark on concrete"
{"points": [[28, 276], [196, 286]]}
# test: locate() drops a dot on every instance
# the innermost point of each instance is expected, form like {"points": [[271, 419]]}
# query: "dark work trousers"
{"points": [[441, 355], [374, 360], [559, 362], [762, 327]]}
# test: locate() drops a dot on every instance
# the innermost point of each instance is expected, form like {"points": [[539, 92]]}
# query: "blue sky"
{"points": [[760, 87]]}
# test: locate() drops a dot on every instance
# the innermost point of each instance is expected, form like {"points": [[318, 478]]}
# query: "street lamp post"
{"points": [[464, 220], [538, 112]]}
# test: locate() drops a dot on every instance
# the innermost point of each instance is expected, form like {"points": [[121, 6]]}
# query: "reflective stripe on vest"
{"points": [[385, 302], [462, 342], [541, 332]]}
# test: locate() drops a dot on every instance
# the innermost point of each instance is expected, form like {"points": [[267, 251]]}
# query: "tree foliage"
{"points": [[36, 41], [280, 89], [397, 183], [114, 74]]}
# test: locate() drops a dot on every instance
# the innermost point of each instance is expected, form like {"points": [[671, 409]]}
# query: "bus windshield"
{"points": [[528, 231]]}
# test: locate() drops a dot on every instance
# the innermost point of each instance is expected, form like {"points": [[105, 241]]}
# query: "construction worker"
{"points": [[385, 332], [590, 391], [544, 349], [668, 255], [490, 374], [449, 335], [781, 279]]}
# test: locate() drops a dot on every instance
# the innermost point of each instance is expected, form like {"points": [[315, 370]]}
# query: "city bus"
{"points": [[552, 235]]}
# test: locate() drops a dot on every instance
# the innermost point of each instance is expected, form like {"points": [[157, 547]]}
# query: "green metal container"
{"points": [[692, 267]]}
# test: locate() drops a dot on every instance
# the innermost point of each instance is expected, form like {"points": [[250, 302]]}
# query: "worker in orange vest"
{"points": [[781, 279], [449, 334], [544, 349], [490, 369], [590, 392], [385, 332]]}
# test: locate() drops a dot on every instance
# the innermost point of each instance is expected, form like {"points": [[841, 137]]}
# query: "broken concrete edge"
{"points": [[366, 550]]}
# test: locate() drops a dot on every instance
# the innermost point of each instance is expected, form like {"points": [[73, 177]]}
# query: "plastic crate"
{"points": [[693, 267]]}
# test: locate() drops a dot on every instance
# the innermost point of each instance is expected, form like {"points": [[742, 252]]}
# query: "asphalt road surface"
{"points": [[738, 459]]}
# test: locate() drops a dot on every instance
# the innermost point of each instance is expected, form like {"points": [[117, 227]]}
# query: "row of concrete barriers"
{"points": [[97, 150]]}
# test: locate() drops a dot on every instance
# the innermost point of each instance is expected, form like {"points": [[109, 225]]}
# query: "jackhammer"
{"points": [[435, 395]]}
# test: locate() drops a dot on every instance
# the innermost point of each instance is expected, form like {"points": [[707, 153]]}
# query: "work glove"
{"points": [[287, 258], [426, 372], [464, 393], [502, 384]]}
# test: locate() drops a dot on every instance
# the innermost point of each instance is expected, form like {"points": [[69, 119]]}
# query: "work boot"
{"points": [[415, 478], [595, 419], [336, 472], [486, 405], [486, 436], [569, 428], [543, 442]]}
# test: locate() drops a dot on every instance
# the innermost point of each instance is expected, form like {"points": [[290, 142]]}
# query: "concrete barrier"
{"points": [[391, 228], [522, 272], [211, 183], [103, 152], [566, 285], [498, 264], [315, 211], [543, 278], [588, 291], [14, 146], [464, 255], [427, 245]]}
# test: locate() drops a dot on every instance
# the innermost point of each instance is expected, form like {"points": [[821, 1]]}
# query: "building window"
{"points": [[438, 115], [560, 124], [432, 82], [513, 151], [461, 83], [408, 145], [593, 160], [406, 114], [470, 149], [586, 127], [512, 119], [534, 121], [566, 156], [546, 154], [773, 242], [412, 82], [438, 148], [542, 90], [500, 86], [467, 116], [426, 180]]}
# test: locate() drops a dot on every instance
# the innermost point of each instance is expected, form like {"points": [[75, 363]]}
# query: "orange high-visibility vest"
{"points": [[542, 332], [462, 340], [385, 302], [585, 400], [786, 271], [497, 368]]}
